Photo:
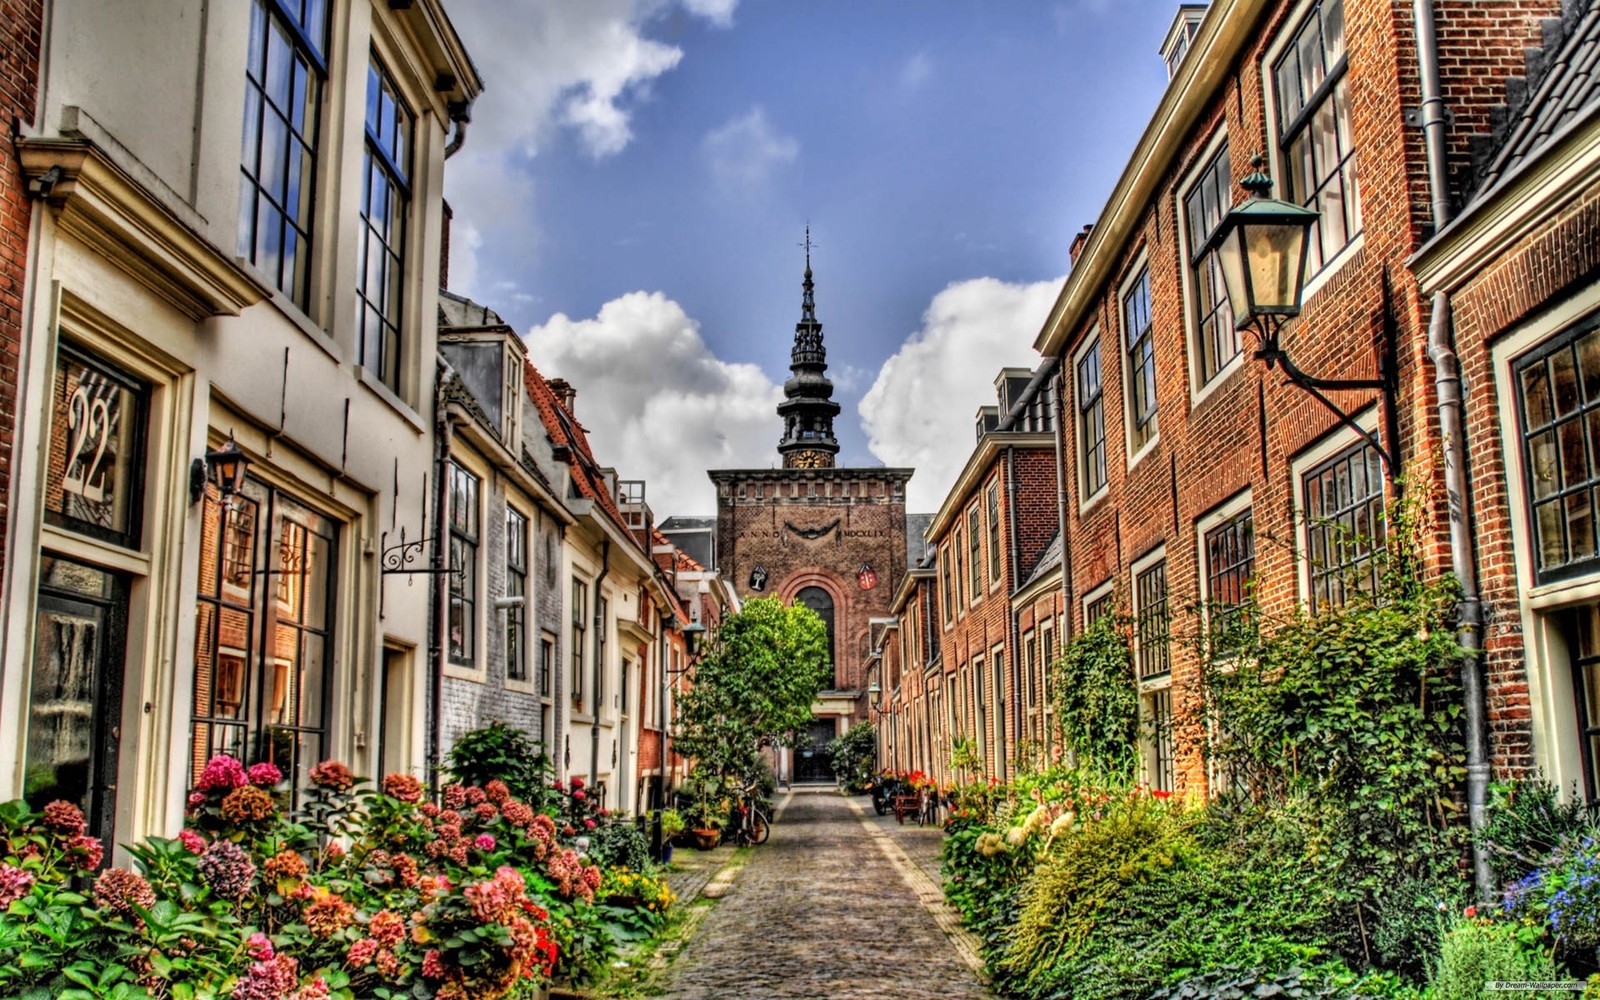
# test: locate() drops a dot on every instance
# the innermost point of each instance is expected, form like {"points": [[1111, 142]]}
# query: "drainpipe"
{"points": [[1065, 631], [1013, 641], [1452, 435], [599, 665], [461, 115], [438, 611]]}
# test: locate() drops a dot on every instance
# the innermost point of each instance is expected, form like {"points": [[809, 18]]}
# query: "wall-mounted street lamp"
{"points": [[1261, 249], [223, 468]]}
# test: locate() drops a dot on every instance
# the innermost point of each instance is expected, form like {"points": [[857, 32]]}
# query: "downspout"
{"points": [[1013, 641], [1452, 436], [668, 623], [599, 665], [461, 116], [1065, 631], [437, 610]]}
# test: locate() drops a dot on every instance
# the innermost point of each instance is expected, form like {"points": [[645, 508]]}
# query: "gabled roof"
{"points": [[1562, 84], [566, 434]]}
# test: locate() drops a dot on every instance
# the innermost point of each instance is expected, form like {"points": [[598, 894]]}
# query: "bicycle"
{"points": [[928, 809], [750, 823]]}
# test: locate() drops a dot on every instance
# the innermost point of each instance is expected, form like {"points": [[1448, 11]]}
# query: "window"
{"points": [[994, 533], [1153, 623], [385, 195], [94, 478], [1344, 524], [283, 94], [1582, 629], [1139, 338], [821, 602], [1091, 422], [516, 586], [1030, 666], [1096, 608], [1204, 207], [602, 625], [1158, 715], [1230, 550], [944, 575], [1314, 121], [1049, 665], [547, 662], [580, 631], [1558, 394], [975, 554], [263, 643], [955, 547], [463, 565]]}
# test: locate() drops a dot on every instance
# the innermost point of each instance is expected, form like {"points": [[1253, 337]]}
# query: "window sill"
{"points": [[388, 395], [522, 687], [1160, 682], [1222, 377], [1094, 499], [1145, 449], [466, 672], [293, 313], [1345, 255]]}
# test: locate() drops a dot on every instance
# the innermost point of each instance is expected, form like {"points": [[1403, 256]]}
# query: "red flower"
{"points": [[65, 818], [332, 775]]}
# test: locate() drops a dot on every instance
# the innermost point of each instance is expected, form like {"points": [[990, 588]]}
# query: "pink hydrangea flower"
{"points": [[497, 791], [485, 842], [579, 795], [192, 841], [64, 818], [265, 774], [222, 773], [360, 954], [433, 966], [14, 884], [260, 947], [577, 781], [404, 787], [88, 851], [588, 824], [333, 775]]}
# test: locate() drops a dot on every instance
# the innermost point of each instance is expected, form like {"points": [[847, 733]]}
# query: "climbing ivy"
{"points": [[1097, 699]]}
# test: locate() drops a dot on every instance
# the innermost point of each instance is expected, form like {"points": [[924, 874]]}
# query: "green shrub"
{"points": [[1097, 699], [1477, 951], [499, 752], [1528, 821], [619, 845], [852, 755]]}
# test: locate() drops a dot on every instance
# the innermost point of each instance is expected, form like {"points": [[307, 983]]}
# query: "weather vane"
{"points": [[808, 245]]}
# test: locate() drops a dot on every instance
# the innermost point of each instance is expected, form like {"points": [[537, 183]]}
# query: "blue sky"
{"points": [[639, 174]]}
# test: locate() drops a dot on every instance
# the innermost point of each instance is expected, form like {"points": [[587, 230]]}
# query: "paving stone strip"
{"points": [[827, 909]]}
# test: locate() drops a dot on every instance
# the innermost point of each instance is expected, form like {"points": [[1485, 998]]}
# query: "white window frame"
{"points": [[530, 660], [1135, 570], [1275, 162], [1091, 597], [980, 567], [1335, 441], [1226, 511], [478, 671], [995, 537], [1199, 389], [1081, 442], [1141, 266]]}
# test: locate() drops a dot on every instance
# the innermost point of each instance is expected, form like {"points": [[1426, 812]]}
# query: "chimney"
{"points": [[444, 249], [1078, 241], [566, 393]]}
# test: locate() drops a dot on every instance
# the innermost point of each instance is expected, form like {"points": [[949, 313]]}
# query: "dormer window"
{"points": [[1184, 27]]}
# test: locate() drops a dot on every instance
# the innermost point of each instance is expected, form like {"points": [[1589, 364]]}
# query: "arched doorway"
{"points": [[811, 761]]}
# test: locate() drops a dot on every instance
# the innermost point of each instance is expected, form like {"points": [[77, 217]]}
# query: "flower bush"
{"points": [[367, 892]]}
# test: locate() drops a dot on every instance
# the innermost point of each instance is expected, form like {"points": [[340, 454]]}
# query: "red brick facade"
{"points": [[21, 22], [1243, 444]]}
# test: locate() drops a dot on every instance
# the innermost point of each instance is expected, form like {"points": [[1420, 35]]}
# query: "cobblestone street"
{"points": [[839, 903]]}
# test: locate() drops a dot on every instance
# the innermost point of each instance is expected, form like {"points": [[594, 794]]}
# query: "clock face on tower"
{"points": [[809, 459]]}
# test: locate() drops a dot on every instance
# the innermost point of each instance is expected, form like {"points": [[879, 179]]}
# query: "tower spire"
{"points": [[808, 408]]}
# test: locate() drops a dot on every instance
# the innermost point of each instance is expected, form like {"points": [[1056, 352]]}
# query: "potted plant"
{"points": [[671, 827]]}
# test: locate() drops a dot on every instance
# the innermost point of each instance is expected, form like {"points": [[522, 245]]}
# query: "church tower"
{"points": [[808, 408]]}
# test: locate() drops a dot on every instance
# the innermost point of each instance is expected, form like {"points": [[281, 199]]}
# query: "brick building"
{"points": [[831, 538], [1516, 268], [1195, 477]]}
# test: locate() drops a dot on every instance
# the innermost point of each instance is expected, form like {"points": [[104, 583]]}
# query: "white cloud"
{"points": [[657, 403], [718, 12], [583, 65], [744, 151], [920, 411], [917, 71]]}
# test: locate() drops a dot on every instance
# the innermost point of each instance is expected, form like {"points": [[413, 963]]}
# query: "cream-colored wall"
{"points": [[144, 73]]}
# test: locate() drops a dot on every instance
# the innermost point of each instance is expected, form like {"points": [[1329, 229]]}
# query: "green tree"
{"points": [[755, 688]]}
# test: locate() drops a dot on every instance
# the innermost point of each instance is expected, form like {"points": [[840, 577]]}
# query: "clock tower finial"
{"points": [[808, 408]]}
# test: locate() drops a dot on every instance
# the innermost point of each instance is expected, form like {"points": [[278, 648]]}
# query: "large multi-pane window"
{"points": [[1158, 718], [946, 583], [602, 614], [1558, 393], [285, 70], [1204, 206], [385, 195], [463, 616], [994, 533], [974, 553], [1230, 550], [1153, 623], [580, 633], [1314, 131], [1344, 524], [516, 623], [1091, 423], [1139, 340], [1097, 608], [955, 548], [263, 633]]}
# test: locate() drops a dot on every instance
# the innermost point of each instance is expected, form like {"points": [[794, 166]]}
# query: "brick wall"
{"points": [[1246, 431], [21, 23]]}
